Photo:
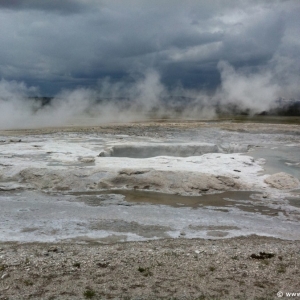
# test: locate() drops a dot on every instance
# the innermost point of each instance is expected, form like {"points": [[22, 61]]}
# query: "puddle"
{"points": [[262, 209], [85, 140], [214, 227], [162, 149], [34, 157], [219, 200], [238, 199], [70, 164], [133, 227], [177, 149], [294, 201], [279, 159]]}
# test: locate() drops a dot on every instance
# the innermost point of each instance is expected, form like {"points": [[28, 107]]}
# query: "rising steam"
{"points": [[146, 98]]}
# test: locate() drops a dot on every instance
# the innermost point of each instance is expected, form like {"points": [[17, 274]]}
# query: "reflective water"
{"points": [[279, 159], [242, 200]]}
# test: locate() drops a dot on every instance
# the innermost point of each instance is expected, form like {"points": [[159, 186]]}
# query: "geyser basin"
{"points": [[146, 150], [39, 174]]}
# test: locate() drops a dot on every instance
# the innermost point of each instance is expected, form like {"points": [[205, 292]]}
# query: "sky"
{"points": [[55, 45], [240, 52]]}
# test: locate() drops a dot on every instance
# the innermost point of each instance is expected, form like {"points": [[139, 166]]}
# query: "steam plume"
{"points": [[145, 98]]}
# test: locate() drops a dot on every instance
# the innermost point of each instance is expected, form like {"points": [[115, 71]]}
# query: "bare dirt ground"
{"points": [[240, 268], [163, 127]]}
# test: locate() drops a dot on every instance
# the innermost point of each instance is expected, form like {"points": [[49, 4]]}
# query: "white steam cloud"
{"points": [[255, 92], [146, 98]]}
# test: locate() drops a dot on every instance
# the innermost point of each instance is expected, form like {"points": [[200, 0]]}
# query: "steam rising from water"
{"points": [[146, 98]]}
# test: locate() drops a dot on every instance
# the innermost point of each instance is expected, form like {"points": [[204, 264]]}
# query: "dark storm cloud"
{"points": [[57, 44], [65, 6]]}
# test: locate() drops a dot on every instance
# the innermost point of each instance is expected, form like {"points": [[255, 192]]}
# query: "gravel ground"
{"points": [[240, 268]]}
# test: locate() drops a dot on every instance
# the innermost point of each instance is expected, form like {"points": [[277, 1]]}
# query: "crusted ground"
{"points": [[250, 267]]}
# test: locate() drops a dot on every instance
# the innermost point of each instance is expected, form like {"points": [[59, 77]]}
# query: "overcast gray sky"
{"points": [[55, 44]]}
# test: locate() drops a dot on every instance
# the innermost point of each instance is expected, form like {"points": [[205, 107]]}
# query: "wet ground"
{"points": [[68, 204], [128, 216]]}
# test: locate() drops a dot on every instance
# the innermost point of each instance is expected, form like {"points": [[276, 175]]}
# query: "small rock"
{"points": [[103, 154], [282, 181], [103, 265], [5, 275], [87, 160], [262, 255], [53, 249]]}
